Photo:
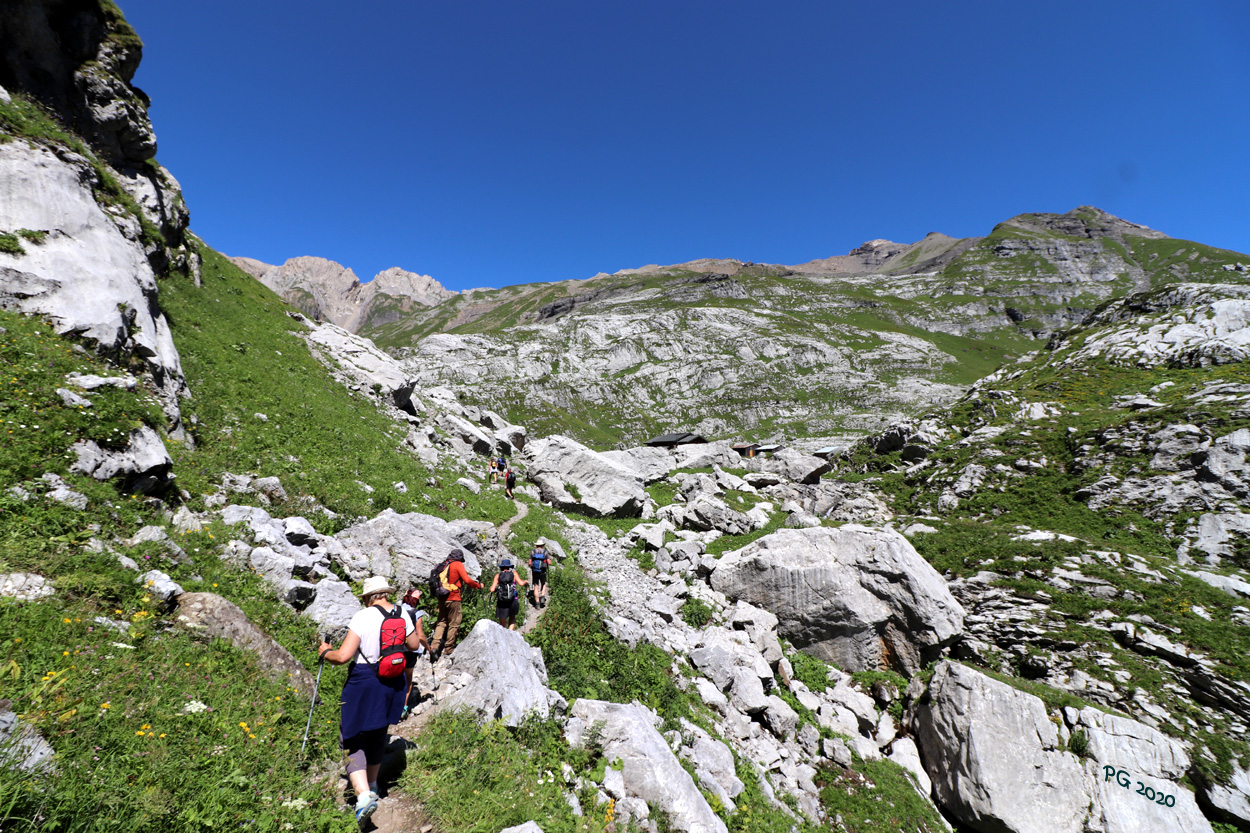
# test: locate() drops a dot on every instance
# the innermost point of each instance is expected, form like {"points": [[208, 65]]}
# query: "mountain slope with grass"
{"points": [[998, 599]]}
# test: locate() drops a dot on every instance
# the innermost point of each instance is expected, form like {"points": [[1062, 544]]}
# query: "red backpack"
{"points": [[392, 661]]}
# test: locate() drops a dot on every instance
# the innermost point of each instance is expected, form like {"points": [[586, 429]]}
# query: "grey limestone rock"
{"points": [[528, 827], [706, 512], [21, 746], [333, 606], [143, 462], [213, 616], [1229, 802], [651, 464], [857, 596], [575, 478], [993, 756], [507, 677], [161, 586], [25, 587], [91, 274], [650, 770], [402, 547], [792, 465]]}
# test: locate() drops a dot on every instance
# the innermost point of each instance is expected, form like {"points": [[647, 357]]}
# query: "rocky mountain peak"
{"points": [[420, 288], [1084, 221]]}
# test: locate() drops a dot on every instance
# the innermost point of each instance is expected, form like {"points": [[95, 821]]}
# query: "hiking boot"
{"points": [[365, 806]]}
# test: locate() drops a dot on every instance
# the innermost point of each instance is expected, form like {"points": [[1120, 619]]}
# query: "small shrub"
{"points": [[9, 244], [696, 613], [1078, 744]]}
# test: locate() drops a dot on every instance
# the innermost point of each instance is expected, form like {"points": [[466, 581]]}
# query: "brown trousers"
{"points": [[448, 627]]}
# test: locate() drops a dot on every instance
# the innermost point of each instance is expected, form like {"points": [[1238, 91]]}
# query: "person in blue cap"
{"points": [[507, 594]]}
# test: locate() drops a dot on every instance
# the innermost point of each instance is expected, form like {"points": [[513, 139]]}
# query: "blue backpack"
{"points": [[538, 561]]}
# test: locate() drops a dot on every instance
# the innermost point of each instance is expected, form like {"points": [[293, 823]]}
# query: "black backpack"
{"points": [[437, 589], [506, 592]]}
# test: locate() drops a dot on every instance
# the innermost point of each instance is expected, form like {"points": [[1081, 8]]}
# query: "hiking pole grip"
{"points": [[312, 706]]}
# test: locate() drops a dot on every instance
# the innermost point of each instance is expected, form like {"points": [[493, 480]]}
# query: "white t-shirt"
{"points": [[367, 624]]}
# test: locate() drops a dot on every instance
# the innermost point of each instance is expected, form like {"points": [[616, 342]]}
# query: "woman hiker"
{"points": [[409, 606], [370, 703], [509, 482], [538, 571], [507, 596]]}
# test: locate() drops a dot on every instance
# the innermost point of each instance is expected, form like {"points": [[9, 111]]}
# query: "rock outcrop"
{"points": [[860, 597], [218, 618], [577, 479], [497, 675], [649, 769]]}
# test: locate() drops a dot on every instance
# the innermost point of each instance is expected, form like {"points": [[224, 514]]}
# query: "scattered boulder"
{"points": [[21, 746], [213, 616], [143, 462], [164, 588], [860, 597], [25, 587], [1229, 802], [333, 606], [650, 770], [575, 478], [792, 465], [506, 677]]}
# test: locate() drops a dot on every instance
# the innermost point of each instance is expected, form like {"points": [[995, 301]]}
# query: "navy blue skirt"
{"points": [[368, 702]]}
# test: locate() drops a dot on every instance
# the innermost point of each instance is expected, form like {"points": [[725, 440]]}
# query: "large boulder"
{"points": [[213, 616], [577, 479], [706, 512], [402, 547], [794, 466], [143, 462], [993, 756], [650, 770], [500, 676], [996, 763], [860, 597], [651, 464], [368, 365]]}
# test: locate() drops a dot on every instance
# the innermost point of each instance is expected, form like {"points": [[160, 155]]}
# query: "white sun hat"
{"points": [[376, 584]]}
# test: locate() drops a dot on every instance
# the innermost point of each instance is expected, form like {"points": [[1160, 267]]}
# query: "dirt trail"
{"points": [[398, 812]]}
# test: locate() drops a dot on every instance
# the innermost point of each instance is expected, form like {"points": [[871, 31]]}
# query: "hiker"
{"points": [[409, 606], [448, 626], [372, 699], [538, 572], [501, 465], [507, 597], [509, 482], [493, 468]]}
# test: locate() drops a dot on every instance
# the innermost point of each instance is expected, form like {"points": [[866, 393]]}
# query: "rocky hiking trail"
{"points": [[397, 811]]}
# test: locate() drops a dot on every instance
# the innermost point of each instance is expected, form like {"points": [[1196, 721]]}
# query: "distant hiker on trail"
{"points": [[501, 465], [409, 606], [507, 596], [451, 578], [373, 696], [493, 468], [538, 570], [509, 482]]}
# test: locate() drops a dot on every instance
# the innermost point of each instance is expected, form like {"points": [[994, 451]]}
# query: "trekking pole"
{"points": [[313, 705]]}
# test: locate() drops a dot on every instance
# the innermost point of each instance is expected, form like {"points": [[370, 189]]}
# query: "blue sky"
{"points": [[494, 143]]}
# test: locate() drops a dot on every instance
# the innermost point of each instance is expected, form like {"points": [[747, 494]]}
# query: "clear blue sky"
{"points": [[493, 143]]}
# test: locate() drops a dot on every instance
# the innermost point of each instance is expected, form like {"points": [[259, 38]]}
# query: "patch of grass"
{"points": [[695, 612], [584, 660], [877, 797], [482, 778], [810, 671], [9, 244], [37, 428]]}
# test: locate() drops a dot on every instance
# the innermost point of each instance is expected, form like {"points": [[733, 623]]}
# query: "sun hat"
{"points": [[540, 543], [507, 562], [374, 585]]}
